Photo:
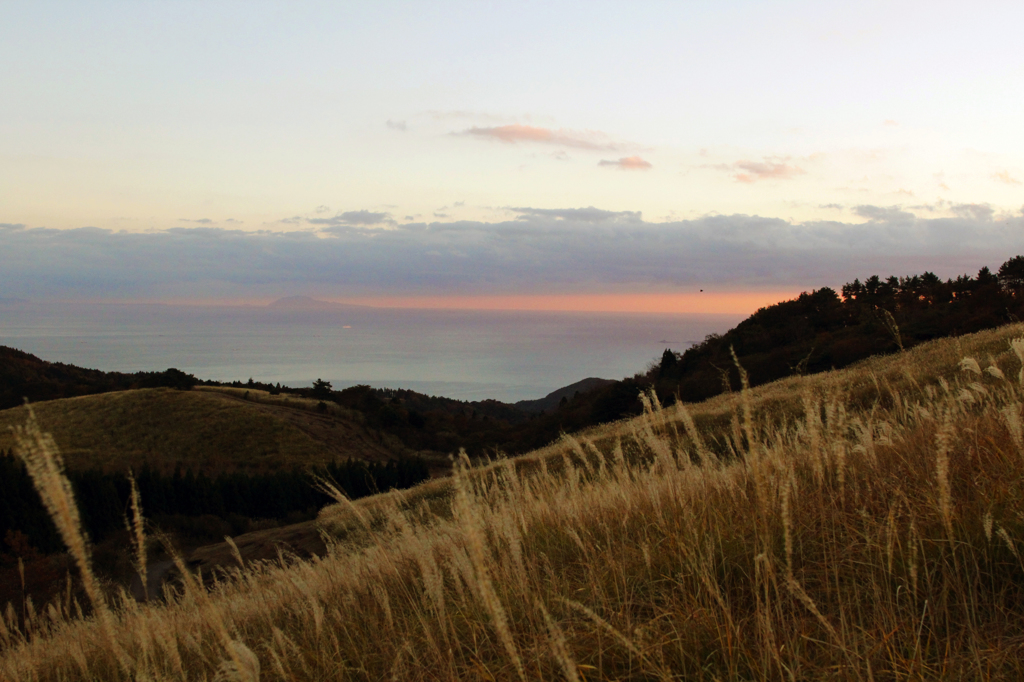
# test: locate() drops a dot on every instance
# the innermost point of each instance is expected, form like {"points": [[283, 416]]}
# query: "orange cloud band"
{"points": [[730, 302]]}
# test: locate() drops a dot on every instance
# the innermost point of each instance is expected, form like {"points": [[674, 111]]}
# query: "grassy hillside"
{"points": [[202, 430], [209, 463], [859, 524]]}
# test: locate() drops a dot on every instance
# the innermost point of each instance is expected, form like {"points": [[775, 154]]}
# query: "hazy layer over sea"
{"points": [[465, 354]]}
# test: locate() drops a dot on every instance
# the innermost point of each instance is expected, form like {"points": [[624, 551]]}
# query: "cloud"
{"points": [[589, 215], [880, 214], [837, 207], [515, 133], [396, 125], [353, 218], [768, 169], [1004, 176], [12, 226], [978, 212], [627, 163], [197, 221], [538, 250]]}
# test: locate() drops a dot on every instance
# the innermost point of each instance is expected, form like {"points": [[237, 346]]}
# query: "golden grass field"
{"points": [[205, 429], [865, 524]]}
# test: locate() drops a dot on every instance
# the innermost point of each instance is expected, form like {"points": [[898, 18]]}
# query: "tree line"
{"points": [[824, 329], [175, 501], [23, 375]]}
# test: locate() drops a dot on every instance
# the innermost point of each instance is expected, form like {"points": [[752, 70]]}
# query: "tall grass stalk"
{"points": [[137, 531], [45, 466]]}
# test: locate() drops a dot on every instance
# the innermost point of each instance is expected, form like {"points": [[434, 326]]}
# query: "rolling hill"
{"points": [[209, 431]]}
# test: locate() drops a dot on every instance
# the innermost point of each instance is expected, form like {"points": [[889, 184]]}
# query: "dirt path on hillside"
{"points": [[300, 540]]}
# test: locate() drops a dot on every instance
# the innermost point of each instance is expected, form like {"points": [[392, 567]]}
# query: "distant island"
{"points": [[307, 303]]}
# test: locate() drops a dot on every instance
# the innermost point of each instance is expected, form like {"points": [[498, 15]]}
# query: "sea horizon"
{"points": [[506, 355]]}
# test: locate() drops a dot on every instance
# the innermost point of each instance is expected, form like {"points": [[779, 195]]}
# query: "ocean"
{"points": [[464, 354]]}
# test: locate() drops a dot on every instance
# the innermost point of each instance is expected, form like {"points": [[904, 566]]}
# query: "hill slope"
{"points": [[206, 431], [858, 524], [551, 400]]}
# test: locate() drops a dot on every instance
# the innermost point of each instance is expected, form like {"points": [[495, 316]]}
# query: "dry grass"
{"points": [[863, 524], [284, 400], [201, 430]]}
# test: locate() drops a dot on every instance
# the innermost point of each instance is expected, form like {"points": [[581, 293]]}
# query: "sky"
{"points": [[683, 156]]}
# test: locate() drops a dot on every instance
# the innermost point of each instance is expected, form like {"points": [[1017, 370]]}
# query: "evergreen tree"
{"points": [[1011, 275], [321, 389]]}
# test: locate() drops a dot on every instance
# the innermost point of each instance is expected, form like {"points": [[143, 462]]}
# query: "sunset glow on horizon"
{"points": [[744, 303], [723, 302]]}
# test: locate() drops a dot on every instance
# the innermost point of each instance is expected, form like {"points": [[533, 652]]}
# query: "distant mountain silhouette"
{"points": [[307, 303], [551, 400]]}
